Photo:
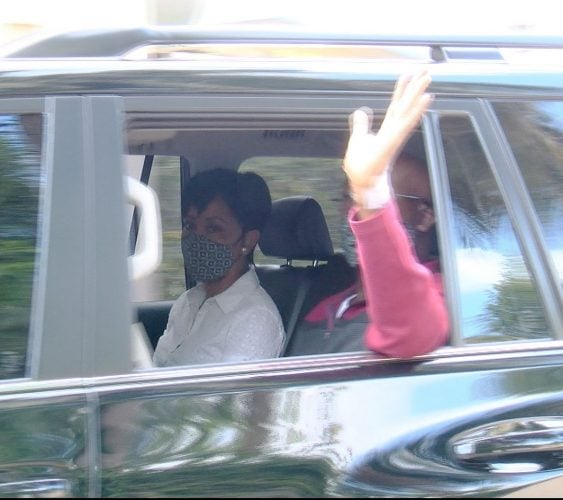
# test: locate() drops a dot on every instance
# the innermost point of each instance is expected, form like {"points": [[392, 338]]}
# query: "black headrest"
{"points": [[297, 229]]}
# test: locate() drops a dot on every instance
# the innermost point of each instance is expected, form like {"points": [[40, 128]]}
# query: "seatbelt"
{"points": [[134, 228], [304, 285]]}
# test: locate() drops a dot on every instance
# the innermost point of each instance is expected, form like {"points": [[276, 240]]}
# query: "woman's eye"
{"points": [[213, 229]]}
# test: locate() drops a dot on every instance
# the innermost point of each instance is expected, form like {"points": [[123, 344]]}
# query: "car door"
{"points": [[61, 235], [476, 417]]}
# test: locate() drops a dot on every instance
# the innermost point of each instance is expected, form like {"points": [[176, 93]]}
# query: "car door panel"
{"points": [[348, 425], [355, 428], [46, 418], [44, 443]]}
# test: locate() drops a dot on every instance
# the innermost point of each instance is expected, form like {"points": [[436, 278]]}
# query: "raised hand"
{"points": [[369, 154]]}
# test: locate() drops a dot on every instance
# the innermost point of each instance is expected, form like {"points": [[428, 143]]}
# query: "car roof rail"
{"points": [[162, 41]]}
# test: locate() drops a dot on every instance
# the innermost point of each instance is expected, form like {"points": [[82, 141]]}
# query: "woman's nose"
{"points": [[190, 228]]}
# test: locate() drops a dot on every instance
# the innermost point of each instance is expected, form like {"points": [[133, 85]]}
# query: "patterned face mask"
{"points": [[204, 259]]}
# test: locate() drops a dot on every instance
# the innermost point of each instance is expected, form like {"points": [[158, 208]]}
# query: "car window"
{"points": [[305, 160], [535, 132], [168, 281], [20, 181], [498, 297], [317, 164], [320, 178]]}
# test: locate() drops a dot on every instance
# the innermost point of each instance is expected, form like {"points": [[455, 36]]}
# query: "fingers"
{"points": [[423, 104], [405, 87], [415, 87], [400, 86], [418, 109], [410, 100], [360, 121]]}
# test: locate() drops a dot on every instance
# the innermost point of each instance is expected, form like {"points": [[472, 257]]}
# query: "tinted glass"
{"points": [[20, 178], [499, 299], [168, 281], [313, 157], [535, 132], [320, 178]]}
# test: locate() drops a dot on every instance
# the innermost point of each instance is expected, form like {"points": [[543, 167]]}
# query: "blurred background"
{"points": [[19, 18]]}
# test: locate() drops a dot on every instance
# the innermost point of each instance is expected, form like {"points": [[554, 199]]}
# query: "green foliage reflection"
{"points": [[19, 194]]}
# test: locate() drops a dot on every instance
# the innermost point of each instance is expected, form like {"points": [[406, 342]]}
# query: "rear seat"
{"points": [[297, 231]]}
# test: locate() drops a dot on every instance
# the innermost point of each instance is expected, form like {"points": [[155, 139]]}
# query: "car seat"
{"points": [[297, 231]]}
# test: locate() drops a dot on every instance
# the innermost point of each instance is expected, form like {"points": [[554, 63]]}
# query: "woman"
{"points": [[404, 301], [227, 316], [401, 274]]}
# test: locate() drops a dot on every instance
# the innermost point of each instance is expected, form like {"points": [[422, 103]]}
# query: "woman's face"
{"points": [[215, 247], [216, 222]]}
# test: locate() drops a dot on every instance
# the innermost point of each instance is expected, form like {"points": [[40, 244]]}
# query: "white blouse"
{"points": [[241, 323]]}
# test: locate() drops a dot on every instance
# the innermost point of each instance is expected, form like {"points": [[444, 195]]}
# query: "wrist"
{"points": [[374, 196]]}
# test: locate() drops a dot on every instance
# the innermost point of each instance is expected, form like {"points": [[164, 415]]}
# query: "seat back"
{"points": [[296, 231]]}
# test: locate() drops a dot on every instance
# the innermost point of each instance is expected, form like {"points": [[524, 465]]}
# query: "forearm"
{"points": [[405, 305]]}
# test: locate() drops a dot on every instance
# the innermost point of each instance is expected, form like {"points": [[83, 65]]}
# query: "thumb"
{"points": [[360, 122]]}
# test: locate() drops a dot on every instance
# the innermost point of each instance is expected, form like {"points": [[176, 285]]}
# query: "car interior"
{"points": [[299, 257]]}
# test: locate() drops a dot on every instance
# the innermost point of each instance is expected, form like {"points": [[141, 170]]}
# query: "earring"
{"points": [[243, 249]]}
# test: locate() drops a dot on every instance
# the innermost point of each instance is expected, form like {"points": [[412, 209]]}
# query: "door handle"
{"points": [[530, 444]]}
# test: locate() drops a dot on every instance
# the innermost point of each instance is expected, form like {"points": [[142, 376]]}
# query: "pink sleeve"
{"points": [[406, 308]]}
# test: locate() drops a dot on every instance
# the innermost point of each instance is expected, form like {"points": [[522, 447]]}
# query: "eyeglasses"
{"points": [[419, 199]]}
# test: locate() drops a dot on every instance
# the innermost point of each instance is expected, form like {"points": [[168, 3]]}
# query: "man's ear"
{"points": [[426, 220], [250, 239]]}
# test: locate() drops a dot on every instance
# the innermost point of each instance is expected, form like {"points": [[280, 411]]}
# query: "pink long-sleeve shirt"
{"points": [[405, 303]]}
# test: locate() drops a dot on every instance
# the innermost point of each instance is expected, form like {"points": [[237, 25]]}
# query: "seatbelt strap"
{"points": [[304, 285]]}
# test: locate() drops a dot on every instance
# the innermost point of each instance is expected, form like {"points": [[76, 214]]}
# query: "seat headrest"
{"points": [[297, 229]]}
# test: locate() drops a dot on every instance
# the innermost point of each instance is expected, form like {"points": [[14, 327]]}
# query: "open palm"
{"points": [[368, 154]]}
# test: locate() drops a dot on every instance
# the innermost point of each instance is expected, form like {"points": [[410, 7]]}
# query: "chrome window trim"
{"points": [[524, 353], [446, 359]]}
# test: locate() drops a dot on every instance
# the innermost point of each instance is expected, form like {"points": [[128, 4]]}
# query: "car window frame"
{"points": [[214, 109], [45, 359], [46, 364], [527, 227], [80, 298]]}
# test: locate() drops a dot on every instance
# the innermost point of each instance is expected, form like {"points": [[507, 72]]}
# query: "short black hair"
{"points": [[245, 193]]}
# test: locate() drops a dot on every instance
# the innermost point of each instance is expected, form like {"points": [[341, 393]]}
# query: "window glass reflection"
{"points": [[19, 204], [535, 133], [499, 299]]}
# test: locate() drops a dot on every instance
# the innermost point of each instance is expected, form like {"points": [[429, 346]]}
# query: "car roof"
{"points": [[248, 59], [116, 42]]}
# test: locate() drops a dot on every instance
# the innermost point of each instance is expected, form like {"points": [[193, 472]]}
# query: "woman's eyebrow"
{"points": [[215, 218]]}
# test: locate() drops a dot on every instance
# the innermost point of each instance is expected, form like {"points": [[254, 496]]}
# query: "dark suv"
{"points": [[90, 264]]}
